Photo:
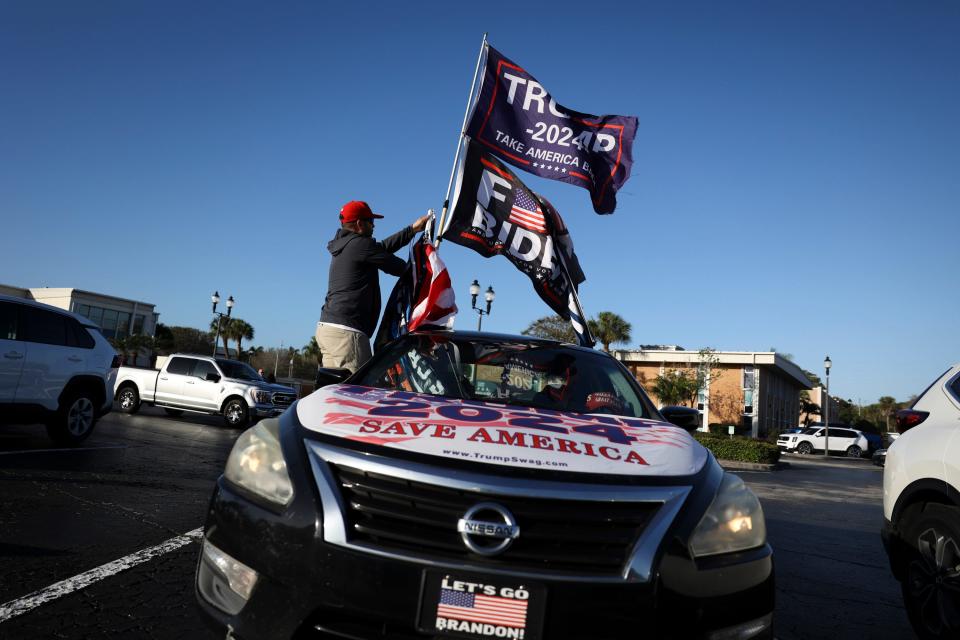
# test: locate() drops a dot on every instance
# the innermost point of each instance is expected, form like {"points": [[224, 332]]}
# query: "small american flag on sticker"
{"points": [[475, 607], [526, 212]]}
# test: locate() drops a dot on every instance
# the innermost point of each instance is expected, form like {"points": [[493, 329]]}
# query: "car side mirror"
{"points": [[686, 418], [330, 375], [212, 377]]}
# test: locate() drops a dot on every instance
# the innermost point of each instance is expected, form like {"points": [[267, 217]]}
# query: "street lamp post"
{"points": [[826, 411], [215, 298], [489, 295]]}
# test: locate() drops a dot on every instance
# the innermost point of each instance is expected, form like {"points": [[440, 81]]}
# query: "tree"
{"points": [[609, 328], [887, 406], [240, 330], [312, 350], [552, 327], [190, 340], [162, 340], [813, 378], [223, 325], [675, 387], [808, 408]]}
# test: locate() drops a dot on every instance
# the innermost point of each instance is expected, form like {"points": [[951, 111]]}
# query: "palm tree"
{"points": [[312, 350], [887, 405], [224, 325], [609, 328], [240, 330]]}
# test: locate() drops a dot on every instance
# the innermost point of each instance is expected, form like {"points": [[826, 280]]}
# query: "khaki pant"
{"points": [[341, 348]]}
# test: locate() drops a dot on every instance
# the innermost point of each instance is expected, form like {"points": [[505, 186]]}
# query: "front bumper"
{"points": [[268, 410], [309, 586]]}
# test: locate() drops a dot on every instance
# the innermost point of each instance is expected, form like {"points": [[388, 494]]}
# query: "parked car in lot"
{"points": [[481, 486], [879, 457], [812, 439], [188, 382], [56, 368], [921, 508]]}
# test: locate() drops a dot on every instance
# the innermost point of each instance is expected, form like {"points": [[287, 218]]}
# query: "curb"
{"points": [[736, 465]]}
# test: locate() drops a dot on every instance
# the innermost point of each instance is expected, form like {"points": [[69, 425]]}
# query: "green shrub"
{"points": [[739, 448]]}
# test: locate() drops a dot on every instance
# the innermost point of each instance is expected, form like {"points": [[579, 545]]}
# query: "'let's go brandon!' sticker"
{"points": [[498, 434]]}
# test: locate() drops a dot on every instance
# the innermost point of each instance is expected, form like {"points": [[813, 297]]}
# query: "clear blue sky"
{"points": [[796, 178]]}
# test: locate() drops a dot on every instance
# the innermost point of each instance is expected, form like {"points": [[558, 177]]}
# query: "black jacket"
{"points": [[353, 294]]}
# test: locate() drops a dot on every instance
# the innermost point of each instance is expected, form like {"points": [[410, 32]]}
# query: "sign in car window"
{"points": [[499, 434]]}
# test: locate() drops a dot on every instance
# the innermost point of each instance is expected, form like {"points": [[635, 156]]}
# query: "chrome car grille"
{"points": [[558, 535], [283, 399], [571, 530]]}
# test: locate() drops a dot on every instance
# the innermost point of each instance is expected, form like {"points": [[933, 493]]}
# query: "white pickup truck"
{"points": [[188, 382]]}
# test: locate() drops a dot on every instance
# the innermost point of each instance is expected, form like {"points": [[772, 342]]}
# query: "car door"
{"points": [[951, 421], [200, 393], [172, 379], [13, 352], [845, 438], [818, 440], [51, 362]]}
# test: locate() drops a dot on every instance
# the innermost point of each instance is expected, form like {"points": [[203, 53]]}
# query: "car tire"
{"points": [[931, 583], [74, 419], [173, 413], [853, 451], [804, 448], [128, 399], [235, 413]]}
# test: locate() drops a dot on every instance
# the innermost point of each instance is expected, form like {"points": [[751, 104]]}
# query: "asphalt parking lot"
{"points": [[100, 541]]}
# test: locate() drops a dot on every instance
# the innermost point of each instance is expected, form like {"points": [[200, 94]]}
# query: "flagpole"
{"points": [[562, 259], [463, 127]]}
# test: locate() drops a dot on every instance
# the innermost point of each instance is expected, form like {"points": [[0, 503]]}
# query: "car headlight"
{"points": [[256, 463], [734, 522], [260, 396]]}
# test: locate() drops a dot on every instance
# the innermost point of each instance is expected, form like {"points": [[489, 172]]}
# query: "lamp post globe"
{"points": [[488, 296], [215, 299]]}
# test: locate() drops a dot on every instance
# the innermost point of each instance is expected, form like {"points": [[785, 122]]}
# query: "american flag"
{"points": [[526, 212], [475, 607]]}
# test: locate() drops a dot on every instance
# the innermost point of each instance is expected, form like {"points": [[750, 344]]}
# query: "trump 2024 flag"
{"points": [[516, 119]]}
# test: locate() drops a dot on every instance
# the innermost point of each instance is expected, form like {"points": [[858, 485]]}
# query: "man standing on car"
{"points": [[352, 307]]}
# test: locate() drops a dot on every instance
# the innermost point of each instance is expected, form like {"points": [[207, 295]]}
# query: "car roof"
{"points": [[483, 336], [49, 307]]}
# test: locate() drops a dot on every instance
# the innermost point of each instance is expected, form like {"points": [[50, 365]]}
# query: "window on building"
{"points": [[84, 310], [748, 400], [137, 325], [748, 377], [123, 324], [96, 315], [701, 399], [109, 323]]}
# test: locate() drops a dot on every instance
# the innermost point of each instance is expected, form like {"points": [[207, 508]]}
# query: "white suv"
{"points": [[921, 508], [55, 368], [842, 440]]}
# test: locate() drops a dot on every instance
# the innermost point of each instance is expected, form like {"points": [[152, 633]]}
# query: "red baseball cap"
{"points": [[356, 210]]}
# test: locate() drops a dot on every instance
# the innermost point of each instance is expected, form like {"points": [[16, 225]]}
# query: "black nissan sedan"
{"points": [[479, 486]]}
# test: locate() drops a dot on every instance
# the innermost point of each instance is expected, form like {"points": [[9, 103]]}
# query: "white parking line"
{"points": [[14, 453], [65, 587]]}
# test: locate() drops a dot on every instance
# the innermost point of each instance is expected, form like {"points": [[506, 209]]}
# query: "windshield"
{"points": [[238, 370], [515, 372]]}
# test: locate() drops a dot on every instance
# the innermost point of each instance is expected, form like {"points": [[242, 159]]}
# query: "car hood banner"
{"points": [[503, 435], [494, 213], [519, 121]]}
